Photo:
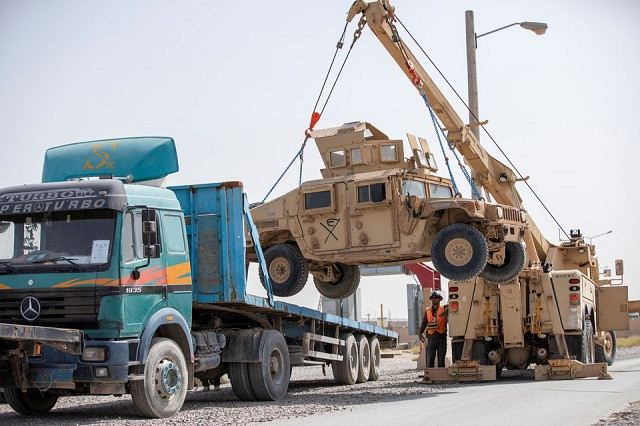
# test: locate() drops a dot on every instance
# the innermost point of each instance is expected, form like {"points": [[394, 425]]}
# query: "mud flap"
{"points": [[564, 369], [461, 371]]}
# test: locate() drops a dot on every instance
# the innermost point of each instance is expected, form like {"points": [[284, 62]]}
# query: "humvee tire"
{"points": [[288, 269], [514, 260], [345, 286], [607, 352], [459, 252]]}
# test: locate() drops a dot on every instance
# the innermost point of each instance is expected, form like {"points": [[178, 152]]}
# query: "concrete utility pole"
{"points": [[472, 77]]}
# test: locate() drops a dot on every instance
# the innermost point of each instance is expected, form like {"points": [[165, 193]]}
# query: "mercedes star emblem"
{"points": [[30, 308]]}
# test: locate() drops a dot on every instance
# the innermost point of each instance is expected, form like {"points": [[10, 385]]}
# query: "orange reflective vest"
{"points": [[436, 323]]}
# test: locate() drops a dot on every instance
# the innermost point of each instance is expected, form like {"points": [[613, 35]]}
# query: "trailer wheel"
{"points": [[346, 371], [459, 252], [288, 269], [345, 285], [164, 388], [374, 363], [270, 378], [30, 403], [514, 260], [607, 352], [240, 382], [364, 358]]}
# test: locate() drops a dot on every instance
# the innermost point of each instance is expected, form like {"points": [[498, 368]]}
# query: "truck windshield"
{"points": [[77, 239]]}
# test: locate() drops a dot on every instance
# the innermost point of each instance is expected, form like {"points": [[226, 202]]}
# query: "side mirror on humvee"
{"points": [[619, 267]]}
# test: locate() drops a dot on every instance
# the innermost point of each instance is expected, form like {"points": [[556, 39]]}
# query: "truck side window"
{"points": [[175, 236], [316, 200], [132, 248], [375, 193]]}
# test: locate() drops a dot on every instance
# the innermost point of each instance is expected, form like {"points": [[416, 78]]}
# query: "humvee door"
{"points": [[372, 213], [323, 218]]}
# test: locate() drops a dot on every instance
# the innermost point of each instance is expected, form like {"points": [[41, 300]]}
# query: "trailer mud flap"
{"points": [[564, 369], [461, 371]]}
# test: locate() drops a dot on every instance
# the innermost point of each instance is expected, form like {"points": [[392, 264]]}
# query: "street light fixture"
{"points": [[537, 27]]}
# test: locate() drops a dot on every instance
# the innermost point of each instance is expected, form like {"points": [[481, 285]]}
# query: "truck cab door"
{"points": [[612, 310]]}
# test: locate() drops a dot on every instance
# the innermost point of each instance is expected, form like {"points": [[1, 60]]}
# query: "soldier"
{"points": [[435, 322]]}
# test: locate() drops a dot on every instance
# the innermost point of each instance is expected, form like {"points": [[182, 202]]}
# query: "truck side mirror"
{"points": [[151, 248], [4, 226], [619, 267]]}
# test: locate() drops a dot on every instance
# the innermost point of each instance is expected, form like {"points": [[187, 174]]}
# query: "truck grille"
{"points": [[511, 214], [58, 307]]}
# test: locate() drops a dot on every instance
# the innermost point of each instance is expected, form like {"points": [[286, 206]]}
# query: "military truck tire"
{"points": [[30, 403], [344, 287], [607, 352], [345, 372], [288, 269], [364, 358], [164, 388], [514, 260], [587, 350], [456, 351], [374, 363], [240, 381], [270, 378], [459, 252]]}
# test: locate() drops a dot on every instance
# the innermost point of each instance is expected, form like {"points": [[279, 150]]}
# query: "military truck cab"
{"points": [[374, 206]]}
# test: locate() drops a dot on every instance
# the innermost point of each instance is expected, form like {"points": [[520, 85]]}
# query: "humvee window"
{"points": [[439, 191], [412, 187], [317, 200], [388, 153], [337, 158], [356, 155], [372, 193]]}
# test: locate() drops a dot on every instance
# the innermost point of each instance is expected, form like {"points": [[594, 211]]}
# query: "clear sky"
{"points": [[234, 83]]}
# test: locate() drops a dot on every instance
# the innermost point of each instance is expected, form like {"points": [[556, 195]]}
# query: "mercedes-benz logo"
{"points": [[30, 308]]}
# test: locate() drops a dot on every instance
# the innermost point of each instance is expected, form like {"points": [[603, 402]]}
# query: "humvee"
{"points": [[374, 207]]}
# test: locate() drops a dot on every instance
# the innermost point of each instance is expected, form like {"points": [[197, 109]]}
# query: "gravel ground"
{"points": [[309, 393]]}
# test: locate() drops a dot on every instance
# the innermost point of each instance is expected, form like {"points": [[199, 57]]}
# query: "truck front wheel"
{"points": [[514, 260], [607, 352], [164, 388], [459, 252], [30, 403]]}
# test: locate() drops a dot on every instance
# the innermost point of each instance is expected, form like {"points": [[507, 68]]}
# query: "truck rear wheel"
{"points": [[344, 286], [582, 347], [270, 378], [364, 358], [346, 371], [607, 352], [240, 382], [374, 363], [514, 260], [288, 269], [30, 403], [459, 252], [164, 388]]}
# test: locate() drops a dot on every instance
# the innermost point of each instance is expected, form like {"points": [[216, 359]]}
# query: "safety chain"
{"points": [[487, 319]]}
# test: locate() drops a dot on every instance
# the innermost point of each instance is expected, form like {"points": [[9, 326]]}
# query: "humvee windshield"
{"points": [[54, 239], [413, 187]]}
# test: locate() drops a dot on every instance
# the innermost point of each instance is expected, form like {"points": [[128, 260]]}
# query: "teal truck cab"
{"points": [[113, 284]]}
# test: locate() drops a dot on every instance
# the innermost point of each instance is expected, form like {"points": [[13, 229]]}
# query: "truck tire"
{"points": [[607, 352], [240, 382], [364, 358], [346, 371], [164, 388], [270, 378], [374, 364], [30, 403], [288, 269], [587, 350], [459, 252], [514, 260], [456, 351], [344, 286]]}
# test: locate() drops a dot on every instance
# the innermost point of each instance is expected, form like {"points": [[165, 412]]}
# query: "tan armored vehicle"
{"points": [[373, 206]]}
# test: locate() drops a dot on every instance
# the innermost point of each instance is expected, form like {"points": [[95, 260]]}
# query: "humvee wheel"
{"points": [[346, 283], [514, 260], [459, 252], [607, 352], [288, 269]]}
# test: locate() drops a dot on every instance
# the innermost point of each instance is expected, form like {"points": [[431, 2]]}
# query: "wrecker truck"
{"points": [[559, 313], [112, 284]]}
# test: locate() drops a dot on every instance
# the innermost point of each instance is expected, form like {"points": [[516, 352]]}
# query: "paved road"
{"points": [[515, 400]]}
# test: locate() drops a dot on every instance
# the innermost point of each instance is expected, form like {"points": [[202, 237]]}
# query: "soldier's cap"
{"points": [[435, 295]]}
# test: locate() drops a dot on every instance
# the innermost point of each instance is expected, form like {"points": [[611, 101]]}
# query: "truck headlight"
{"points": [[94, 353], [523, 215], [499, 212]]}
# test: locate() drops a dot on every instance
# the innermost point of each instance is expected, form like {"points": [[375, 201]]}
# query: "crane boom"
{"points": [[493, 175]]}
